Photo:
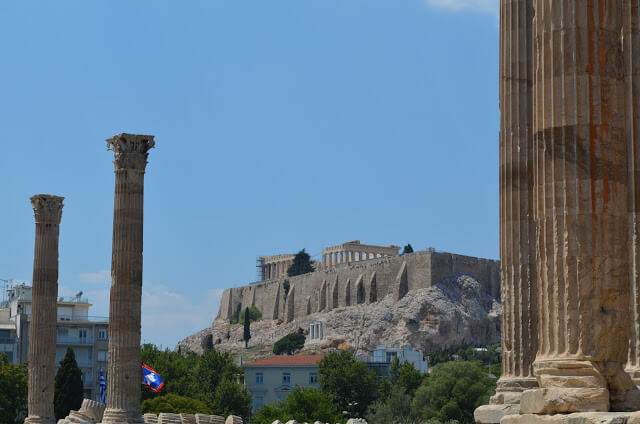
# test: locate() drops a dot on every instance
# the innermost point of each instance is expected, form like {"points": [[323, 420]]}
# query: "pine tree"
{"points": [[247, 328], [301, 264], [407, 249], [69, 390]]}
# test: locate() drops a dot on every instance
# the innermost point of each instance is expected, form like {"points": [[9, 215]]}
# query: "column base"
{"points": [[505, 402], [121, 416], [35, 419], [576, 418], [564, 400]]}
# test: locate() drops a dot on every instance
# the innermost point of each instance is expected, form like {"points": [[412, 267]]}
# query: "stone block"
{"points": [[216, 419], [233, 419], [565, 400], [575, 418], [492, 414], [203, 419], [187, 419], [150, 418]]}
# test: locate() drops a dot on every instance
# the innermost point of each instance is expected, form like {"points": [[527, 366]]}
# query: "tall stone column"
{"points": [[324, 260], [631, 37], [517, 225], [123, 380], [47, 210], [581, 204]]}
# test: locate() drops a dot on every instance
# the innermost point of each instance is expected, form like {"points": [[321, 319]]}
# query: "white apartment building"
{"points": [[85, 334], [381, 359]]}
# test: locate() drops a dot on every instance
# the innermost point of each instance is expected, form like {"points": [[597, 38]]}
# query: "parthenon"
{"points": [[354, 251], [275, 267]]}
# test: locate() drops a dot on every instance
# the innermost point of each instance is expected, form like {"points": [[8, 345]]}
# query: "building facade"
{"points": [[271, 380], [381, 358], [85, 334]]}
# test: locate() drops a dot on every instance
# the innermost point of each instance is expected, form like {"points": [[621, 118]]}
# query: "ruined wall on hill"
{"points": [[357, 282]]}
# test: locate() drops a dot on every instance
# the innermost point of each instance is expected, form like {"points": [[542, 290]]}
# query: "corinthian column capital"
{"points": [[130, 150], [47, 209]]}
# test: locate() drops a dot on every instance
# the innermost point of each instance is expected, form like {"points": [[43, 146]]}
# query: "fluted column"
{"points": [[517, 226], [631, 37], [581, 198], [47, 210], [123, 380]]}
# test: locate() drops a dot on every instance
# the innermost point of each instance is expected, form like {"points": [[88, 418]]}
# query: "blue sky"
{"points": [[279, 125]]}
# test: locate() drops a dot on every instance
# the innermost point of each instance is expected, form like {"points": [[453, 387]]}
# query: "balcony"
{"points": [[5, 340], [83, 319], [68, 340]]}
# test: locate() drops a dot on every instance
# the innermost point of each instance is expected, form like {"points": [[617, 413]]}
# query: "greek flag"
{"points": [[151, 378], [103, 388]]}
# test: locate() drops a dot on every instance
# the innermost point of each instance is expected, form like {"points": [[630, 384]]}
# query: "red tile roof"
{"points": [[286, 361]]}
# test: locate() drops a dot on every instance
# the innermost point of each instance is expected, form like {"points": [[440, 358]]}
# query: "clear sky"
{"points": [[279, 125]]}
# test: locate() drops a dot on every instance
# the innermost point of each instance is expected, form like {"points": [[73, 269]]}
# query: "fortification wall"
{"points": [[357, 282]]}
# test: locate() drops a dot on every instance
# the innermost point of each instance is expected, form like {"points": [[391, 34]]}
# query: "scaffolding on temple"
{"points": [[260, 268]]}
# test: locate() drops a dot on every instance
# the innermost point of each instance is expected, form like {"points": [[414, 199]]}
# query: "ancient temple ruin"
{"points": [[569, 99], [47, 210]]}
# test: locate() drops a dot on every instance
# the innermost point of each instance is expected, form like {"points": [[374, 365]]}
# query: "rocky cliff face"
{"points": [[447, 315]]}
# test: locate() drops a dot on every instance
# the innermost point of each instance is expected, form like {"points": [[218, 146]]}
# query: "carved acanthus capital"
{"points": [[130, 150], [47, 209]]}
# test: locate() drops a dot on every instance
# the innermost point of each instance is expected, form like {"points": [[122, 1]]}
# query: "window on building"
{"points": [[102, 355], [286, 378], [313, 377], [102, 334], [62, 331], [82, 333], [259, 378]]}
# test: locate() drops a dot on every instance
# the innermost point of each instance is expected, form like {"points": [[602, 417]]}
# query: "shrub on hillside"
{"points": [[289, 344]]}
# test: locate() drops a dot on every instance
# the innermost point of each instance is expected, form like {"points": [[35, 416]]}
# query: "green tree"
{"points": [[286, 286], [352, 385], [453, 391], [304, 404], [211, 370], [289, 344], [405, 376], [407, 249], [396, 408], [247, 328], [69, 388], [301, 264], [13, 396], [207, 342], [231, 398], [174, 404], [175, 369]]}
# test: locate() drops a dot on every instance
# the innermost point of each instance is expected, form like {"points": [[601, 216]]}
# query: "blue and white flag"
{"points": [[103, 388], [151, 378]]}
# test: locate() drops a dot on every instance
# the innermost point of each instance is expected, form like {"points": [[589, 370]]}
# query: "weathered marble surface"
{"points": [[47, 211]]}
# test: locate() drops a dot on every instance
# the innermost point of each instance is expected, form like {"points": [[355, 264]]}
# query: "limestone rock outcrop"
{"points": [[449, 314]]}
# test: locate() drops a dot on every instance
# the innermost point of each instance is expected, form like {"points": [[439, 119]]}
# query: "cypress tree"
{"points": [[69, 390], [247, 328], [301, 264]]}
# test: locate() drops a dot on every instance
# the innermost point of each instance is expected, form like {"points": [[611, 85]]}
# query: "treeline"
{"points": [[207, 383]]}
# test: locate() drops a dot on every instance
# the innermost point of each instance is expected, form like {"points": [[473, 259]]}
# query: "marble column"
{"points": [[517, 226], [631, 48], [123, 379], [581, 204], [324, 260], [47, 210]]}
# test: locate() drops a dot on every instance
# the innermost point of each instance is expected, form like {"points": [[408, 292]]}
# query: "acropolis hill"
{"points": [[355, 280]]}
